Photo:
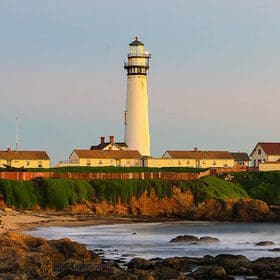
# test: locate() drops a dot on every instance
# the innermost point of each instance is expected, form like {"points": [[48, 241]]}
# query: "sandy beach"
{"points": [[12, 220]]}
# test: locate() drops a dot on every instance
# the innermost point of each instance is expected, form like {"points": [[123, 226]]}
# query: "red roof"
{"points": [[198, 155], [109, 154], [270, 148], [24, 155]]}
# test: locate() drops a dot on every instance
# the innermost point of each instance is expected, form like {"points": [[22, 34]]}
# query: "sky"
{"points": [[213, 82]]}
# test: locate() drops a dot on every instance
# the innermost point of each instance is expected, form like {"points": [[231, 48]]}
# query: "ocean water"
{"points": [[150, 240]]}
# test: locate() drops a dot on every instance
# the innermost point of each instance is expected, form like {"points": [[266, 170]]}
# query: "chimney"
{"points": [[8, 149], [195, 149], [102, 140], [112, 139]]}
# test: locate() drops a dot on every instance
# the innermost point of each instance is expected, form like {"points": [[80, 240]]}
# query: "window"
{"points": [[214, 162], [259, 151], [27, 163], [100, 161], [225, 165], [188, 162], [179, 162], [88, 163], [40, 165]]}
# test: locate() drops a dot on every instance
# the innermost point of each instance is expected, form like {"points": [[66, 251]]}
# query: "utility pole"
{"points": [[17, 133]]}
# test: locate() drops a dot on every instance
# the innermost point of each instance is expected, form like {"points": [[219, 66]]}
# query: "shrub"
{"points": [[53, 193], [113, 190], [20, 194], [213, 187], [60, 193], [261, 185]]}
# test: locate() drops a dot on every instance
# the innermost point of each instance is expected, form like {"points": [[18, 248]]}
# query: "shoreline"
{"points": [[22, 221], [17, 221]]}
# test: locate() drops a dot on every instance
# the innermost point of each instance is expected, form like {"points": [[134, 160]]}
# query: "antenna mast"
{"points": [[17, 133]]}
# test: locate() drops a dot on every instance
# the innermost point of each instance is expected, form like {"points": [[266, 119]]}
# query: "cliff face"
{"points": [[182, 205]]}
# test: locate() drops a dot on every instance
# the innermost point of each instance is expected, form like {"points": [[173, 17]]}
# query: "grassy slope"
{"points": [[60, 193], [261, 185]]}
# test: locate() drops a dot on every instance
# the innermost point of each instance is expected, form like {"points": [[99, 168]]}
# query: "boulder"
{"points": [[210, 273], [189, 239], [274, 250], [214, 210], [178, 264], [266, 268], [233, 264], [264, 243], [209, 240], [139, 263], [250, 210]]}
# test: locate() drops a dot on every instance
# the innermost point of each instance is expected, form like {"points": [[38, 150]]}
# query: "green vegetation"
{"points": [[112, 169], [60, 193], [113, 190], [214, 188], [20, 194], [52, 193], [261, 185]]}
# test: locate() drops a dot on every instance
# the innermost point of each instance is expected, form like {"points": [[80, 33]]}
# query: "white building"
{"points": [[137, 136], [265, 152]]}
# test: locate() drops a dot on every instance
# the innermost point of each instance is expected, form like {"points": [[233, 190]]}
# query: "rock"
{"points": [[266, 268], [250, 210], [189, 239], [178, 264], [233, 264], [214, 210], [166, 273], [264, 243], [27, 257], [209, 239], [140, 263], [209, 273], [274, 250]]}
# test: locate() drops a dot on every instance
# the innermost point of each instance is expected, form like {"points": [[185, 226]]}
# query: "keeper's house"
{"points": [[24, 159], [266, 156], [200, 159], [120, 158]]}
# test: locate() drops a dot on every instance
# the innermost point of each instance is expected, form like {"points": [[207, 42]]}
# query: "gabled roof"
{"points": [[270, 148], [102, 146], [198, 155], [24, 155], [108, 154], [240, 156]]}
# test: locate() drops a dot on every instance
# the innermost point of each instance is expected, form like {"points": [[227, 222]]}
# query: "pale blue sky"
{"points": [[214, 79]]}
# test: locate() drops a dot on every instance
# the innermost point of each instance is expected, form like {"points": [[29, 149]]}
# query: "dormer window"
{"points": [[259, 151]]}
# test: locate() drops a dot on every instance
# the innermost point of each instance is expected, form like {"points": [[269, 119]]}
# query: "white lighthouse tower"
{"points": [[137, 136]]}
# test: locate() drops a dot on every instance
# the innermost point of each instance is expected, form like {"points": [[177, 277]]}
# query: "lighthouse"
{"points": [[136, 119]]}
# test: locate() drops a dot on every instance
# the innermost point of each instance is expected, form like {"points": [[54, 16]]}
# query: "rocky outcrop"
{"points": [[191, 239], [250, 210], [223, 266], [26, 257], [264, 243], [182, 205], [214, 210]]}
